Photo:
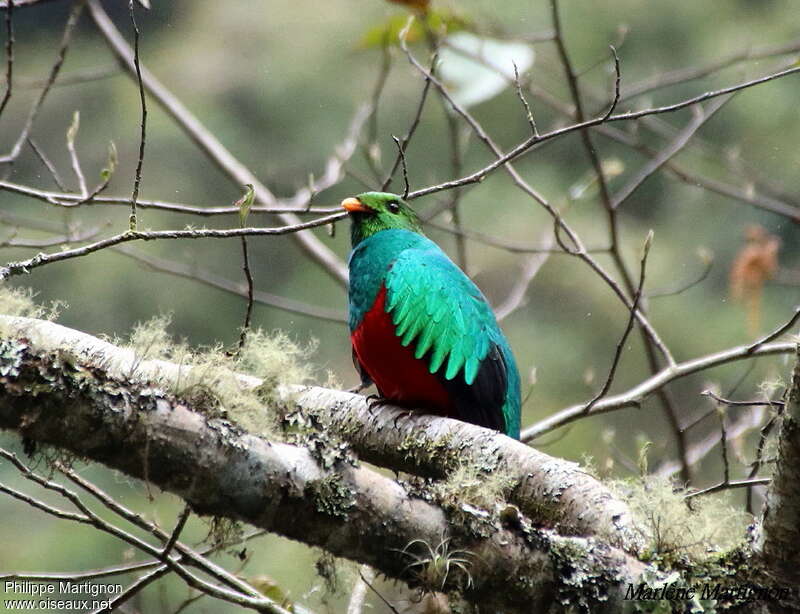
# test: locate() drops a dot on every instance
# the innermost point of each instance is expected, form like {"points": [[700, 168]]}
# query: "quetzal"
{"points": [[420, 329]]}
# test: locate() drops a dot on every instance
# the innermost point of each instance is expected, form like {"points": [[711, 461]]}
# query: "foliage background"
{"points": [[278, 81]]}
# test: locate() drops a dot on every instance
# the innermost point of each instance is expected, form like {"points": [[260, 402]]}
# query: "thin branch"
{"points": [[72, 134], [374, 590], [402, 154], [527, 144], [68, 200], [708, 265], [372, 149], [48, 164], [192, 272], [628, 327], [211, 146], [763, 434], [777, 332], [718, 399], [66, 39], [635, 396], [176, 532], [728, 485], [683, 75], [617, 80], [413, 127], [531, 268], [359, 593], [24, 266], [9, 54], [242, 589], [143, 127], [521, 96], [67, 239], [249, 278], [670, 151]]}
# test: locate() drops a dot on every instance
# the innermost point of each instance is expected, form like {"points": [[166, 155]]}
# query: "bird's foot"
{"points": [[402, 414], [358, 389], [374, 401]]}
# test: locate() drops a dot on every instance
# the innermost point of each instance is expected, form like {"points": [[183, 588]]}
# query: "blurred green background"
{"points": [[278, 82]]}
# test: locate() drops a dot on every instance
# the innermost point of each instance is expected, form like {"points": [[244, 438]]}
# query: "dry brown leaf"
{"points": [[753, 266]]}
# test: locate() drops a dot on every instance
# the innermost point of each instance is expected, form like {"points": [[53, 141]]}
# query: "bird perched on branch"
{"points": [[420, 329]]}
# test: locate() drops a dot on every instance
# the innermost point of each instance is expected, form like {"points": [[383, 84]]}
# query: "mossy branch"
{"points": [[67, 389]]}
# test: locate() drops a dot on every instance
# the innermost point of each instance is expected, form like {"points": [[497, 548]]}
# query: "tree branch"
{"points": [[778, 533], [87, 406]]}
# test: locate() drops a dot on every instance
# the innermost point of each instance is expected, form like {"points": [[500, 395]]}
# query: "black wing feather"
{"points": [[482, 402]]}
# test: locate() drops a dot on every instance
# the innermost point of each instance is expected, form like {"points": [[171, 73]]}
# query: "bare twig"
{"points": [[359, 593], [412, 128], [87, 234], [24, 266], [72, 134], [192, 272], [527, 144], [628, 327], [719, 399], [763, 434], [516, 296], [67, 200], [683, 75], [402, 155], [776, 333], [521, 96], [176, 532], [210, 145], [708, 265], [249, 278], [617, 80], [669, 152], [66, 39], [143, 128], [48, 164], [749, 483], [9, 54], [374, 590], [634, 396]]}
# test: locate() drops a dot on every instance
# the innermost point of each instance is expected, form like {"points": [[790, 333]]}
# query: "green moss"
{"points": [[676, 530], [472, 484], [210, 377], [422, 450], [19, 302], [331, 496]]}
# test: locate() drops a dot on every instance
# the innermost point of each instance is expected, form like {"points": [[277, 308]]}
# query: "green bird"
{"points": [[420, 329]]}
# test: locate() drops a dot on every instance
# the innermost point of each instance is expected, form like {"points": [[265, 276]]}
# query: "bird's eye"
{"points": [[393, 206]]}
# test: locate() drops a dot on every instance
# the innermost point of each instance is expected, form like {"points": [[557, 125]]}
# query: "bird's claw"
{"points": [[374, 401], [402, 414]]}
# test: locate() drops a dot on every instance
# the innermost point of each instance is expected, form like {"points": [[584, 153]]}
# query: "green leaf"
{"points": [[111, 162], [388, 32], [245, 202], [477, 69], [271, 590]]}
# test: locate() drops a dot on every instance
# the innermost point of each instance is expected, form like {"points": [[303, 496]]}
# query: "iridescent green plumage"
{"points": [[435, 308]]}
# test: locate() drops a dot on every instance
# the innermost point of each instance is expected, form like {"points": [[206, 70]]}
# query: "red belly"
{"points": [[398, 375]]}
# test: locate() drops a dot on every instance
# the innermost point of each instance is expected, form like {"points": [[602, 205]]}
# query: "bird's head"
{"points": [[372, 212]]}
